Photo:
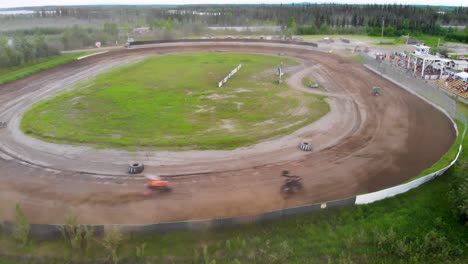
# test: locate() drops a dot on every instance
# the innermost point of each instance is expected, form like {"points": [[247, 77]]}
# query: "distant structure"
{"points": [[422, 50]]}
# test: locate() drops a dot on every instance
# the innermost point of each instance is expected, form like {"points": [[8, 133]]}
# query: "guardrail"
{"points": [[149, 42], [402, 188], [47, 231]]}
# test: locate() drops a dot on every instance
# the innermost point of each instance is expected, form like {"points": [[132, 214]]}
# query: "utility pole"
{"points": [[407, 39], [383, 25]]}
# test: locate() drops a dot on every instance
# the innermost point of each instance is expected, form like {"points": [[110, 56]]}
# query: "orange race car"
{"points": [[158, 185]]}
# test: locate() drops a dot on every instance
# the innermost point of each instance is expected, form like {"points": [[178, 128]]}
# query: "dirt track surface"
{"points": [[382, 142]]}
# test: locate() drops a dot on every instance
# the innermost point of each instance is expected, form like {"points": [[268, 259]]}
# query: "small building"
{"points": [[458, 65], [141, 30], [462, 76], [422, 50]]}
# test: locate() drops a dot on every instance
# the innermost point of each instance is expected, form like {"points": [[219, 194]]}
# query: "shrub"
{"points": [[21, 233], [77, 236], [459, 191], [111, 243]]}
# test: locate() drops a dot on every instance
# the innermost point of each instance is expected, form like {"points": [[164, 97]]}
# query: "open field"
{"points": [[12, 74], [428, 40], [173, 101]]}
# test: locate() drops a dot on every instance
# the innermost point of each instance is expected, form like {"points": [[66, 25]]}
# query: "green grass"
{"points": [[15, 73], [359, 59], [463, 108], [173, 102], [431, 41]]}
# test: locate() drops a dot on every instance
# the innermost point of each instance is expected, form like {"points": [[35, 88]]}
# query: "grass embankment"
{"points": [[16, 73], [359, 59], [173, 102]]}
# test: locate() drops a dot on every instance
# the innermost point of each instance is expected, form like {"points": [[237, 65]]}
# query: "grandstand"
{"points": [[453, 85]]}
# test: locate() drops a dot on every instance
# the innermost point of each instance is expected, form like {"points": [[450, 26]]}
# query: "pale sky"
{"points": [[21, 3]]}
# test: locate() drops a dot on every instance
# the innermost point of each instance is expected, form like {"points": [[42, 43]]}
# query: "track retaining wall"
{"points": [[42, 232], [151, 42]]}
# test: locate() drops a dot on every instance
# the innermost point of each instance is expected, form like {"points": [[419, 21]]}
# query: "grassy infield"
{"points": [[172, 101], [415, 227]]}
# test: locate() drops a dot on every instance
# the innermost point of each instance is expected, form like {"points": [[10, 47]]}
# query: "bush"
{"points": [[459, 191], [21, 233], [111, 243], [77, 236], [433, 246]]}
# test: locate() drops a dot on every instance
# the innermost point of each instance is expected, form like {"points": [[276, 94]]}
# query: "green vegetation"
{"points": [[21, 233], [16, 73], [359, 58], [173, 101], [78, 237]]}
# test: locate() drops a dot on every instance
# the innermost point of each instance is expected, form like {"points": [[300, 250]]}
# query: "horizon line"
{"points": [[230, 4]]}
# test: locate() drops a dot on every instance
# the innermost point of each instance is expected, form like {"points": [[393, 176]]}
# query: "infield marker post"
{"points": [[229, 75]]}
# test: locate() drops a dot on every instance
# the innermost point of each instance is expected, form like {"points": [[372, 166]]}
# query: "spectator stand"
{"points": [[456, 84], [427, 65]]}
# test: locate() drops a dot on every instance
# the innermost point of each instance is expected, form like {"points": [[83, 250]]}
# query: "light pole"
{"points": [[383, 25]]}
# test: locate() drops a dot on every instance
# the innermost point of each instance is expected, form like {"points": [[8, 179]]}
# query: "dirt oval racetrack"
{"points": [[391, 139]]}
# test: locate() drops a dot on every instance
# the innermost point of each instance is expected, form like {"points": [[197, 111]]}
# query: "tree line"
{"points": [[21, 50], [166, 22], [424, 19], [27, 46]]}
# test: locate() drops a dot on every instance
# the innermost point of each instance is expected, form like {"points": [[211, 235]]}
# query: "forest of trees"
{"points": [[21, 50], [27, 46], [424, 19], [19, 46]]}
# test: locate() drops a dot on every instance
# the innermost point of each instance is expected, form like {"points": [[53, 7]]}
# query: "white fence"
{"points": [[402, 188], [89, 55], [229, 75]]}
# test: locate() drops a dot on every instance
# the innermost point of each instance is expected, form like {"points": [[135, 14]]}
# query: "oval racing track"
{"points": [[364, 144]]}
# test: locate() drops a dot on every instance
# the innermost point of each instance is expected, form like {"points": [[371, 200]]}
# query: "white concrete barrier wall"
{"points": [[89, 55], [380, 195]]}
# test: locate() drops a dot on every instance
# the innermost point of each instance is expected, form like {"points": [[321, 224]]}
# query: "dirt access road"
{"points": [[394, 137]]}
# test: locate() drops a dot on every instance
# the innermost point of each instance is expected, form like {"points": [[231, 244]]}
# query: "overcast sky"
{"points": [[21, 3]]}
